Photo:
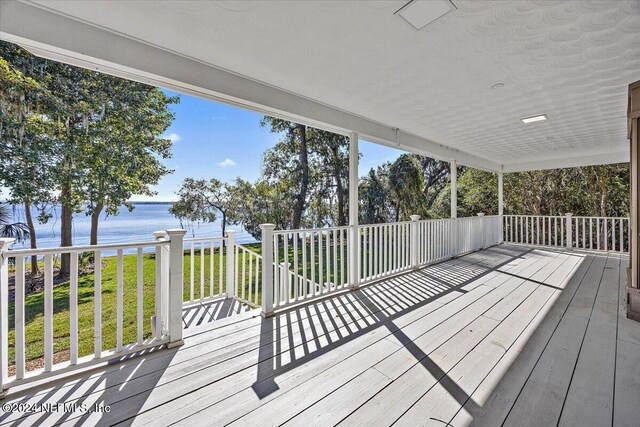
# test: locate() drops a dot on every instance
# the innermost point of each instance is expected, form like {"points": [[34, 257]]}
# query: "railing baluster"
{"points": [[48, 312], [313, 264], [97, 305], [320, 264], [304, 264], [19, 317], [296, 285], [335, 259], [220, 266], [191, 271], [276, 270], [244, 268], [119, 301], [250, 290], [211, 267], [201, 271], [140, 301]]}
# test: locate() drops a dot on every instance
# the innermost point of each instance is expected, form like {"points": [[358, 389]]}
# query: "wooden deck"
{"points": [[510, 335]]}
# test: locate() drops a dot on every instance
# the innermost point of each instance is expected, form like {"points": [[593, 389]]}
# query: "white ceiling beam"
{"points": [[589, 160], [69, 40]]}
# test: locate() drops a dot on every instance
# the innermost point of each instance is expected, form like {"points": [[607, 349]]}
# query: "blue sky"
{"points": [[216, 140]]}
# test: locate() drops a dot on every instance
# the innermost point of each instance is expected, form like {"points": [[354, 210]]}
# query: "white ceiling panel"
{"points": [[569, 60]]}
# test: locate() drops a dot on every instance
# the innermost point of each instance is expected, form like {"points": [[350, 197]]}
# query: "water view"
{"points": [[135, 226]]}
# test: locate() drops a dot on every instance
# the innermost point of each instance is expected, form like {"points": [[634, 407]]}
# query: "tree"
{"points": [[289, 160], [102, 130], [15, 230], [264, 202], [124, 157], [374, 198], [406, 182], [26, 149], [201, 200]]}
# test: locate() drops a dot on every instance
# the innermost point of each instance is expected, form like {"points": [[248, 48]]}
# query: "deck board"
{"points": [[512, 334]]}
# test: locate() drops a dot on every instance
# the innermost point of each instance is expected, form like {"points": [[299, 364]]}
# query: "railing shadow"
{"points": [[377, 305], [208, 312], [82, 398]]}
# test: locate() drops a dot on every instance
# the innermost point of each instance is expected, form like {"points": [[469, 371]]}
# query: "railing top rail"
{"points": [[311, 230], [564, 216], [203, 239], [85, 248], [246, 249], [382, 224]]}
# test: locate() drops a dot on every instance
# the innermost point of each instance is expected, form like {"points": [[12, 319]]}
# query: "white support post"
{"points": [[5, 244], [354, 240], [267, 269], [415, 247], [176, 284], [231, 263], [482, 228], [569, 242], [501, 205], [454, 208], [159, 320]]}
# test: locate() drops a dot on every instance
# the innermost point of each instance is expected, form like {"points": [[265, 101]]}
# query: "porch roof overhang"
{"points": [[357, 66]]}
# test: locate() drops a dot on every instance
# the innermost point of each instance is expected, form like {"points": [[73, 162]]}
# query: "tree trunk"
{"points": [[304, 182], [95, 218], [342, 218], [66, 236], [32, 236], [224, 225]]}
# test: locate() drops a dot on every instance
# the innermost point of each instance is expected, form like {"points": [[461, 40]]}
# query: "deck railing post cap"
{"points": [[6, 243], [568, 214], [176, 232], [230, 232], [267, 226], [480, 213], [415, 217], [159, 234]]}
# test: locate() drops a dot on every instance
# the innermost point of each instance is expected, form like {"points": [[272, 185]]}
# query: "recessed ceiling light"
{"points": [[420, 13], [533, 119]]}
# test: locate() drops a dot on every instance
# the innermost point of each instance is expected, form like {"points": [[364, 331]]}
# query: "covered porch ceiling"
{"points": [[454, 90]]}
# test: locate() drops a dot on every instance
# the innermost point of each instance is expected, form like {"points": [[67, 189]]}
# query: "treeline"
{"points": [[77, 138]]}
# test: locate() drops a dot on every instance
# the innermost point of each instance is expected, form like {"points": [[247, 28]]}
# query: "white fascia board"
{"points": [[569, 162], [69, 40]]}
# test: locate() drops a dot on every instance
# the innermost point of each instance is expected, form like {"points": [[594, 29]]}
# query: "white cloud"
{"points": [[227, 163], [173, 137]]}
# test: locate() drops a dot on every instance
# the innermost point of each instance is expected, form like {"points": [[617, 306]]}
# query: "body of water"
{"points": [[135, 226]]}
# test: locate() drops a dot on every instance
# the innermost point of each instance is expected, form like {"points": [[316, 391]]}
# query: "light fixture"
{"points": [[420, 13], [534, 119]]}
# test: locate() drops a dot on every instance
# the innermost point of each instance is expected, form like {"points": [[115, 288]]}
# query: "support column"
{"points": [[454, 189], [633, 275], [454, 208], [501, 205], [414, 243], [354, 253], [176, 284], [267, 269], [231, 264], [159, 320]]}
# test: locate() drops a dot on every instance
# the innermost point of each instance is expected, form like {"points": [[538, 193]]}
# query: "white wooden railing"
{"points": [[312, 263], [164, 255], [568, 231], [384, 250], [292, 266]]}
